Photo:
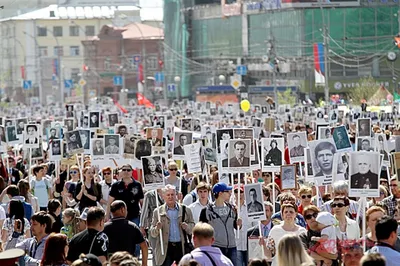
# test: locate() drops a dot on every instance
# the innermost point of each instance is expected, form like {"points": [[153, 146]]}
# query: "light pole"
{"points": [[177, 80], [58, 67], [37, 65]]}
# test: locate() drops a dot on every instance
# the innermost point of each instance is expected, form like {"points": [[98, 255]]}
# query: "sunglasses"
{"points": [[309, 216], [126, 170], [306, 196], [73, 172], [339, 205], [173, 169], [393, 185], [107, 173]]}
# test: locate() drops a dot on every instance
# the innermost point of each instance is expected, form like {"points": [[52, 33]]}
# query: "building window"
{"points": [[107, 64], [58, 51], [58, 31], [89, 31], [75, 74], [41, 31], [132, 64], [74, 50], [43, 51], [73, 31], [152, 63]]}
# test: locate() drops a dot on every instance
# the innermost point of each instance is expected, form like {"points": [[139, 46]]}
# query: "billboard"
{"points": [[230, 8], [317, 4]]}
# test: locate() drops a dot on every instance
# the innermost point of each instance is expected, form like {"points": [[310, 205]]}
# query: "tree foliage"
{"points": [[364, 91], [286, 97]]}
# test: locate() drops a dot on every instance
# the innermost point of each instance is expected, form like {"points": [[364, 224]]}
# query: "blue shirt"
{"points": [[174, 233]]}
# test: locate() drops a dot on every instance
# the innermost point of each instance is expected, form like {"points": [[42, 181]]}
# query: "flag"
{"points": [[144, 101], [122, 109], [319, 63]]}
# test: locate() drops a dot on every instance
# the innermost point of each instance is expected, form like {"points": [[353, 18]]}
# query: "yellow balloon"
{"points": [[245, 105]]}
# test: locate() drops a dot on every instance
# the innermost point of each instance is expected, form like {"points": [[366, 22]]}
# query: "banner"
{"points": [[319, 64]]}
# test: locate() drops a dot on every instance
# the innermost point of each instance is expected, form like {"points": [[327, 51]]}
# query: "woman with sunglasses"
{"points": [[288, 226], [88, 193], [310, 214], [347, 229], [305, 195], [70, 187], [105, 184]]}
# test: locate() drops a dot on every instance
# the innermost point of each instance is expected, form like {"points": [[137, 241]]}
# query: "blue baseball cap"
{"points": [[220, 187]]}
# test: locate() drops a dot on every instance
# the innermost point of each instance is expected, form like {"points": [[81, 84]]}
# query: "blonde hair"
{"points": [[291, 244], [74, 215], [305, 190]]}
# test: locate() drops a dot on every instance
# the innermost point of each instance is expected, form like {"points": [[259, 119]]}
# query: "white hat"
{"points": [[326, 218]]}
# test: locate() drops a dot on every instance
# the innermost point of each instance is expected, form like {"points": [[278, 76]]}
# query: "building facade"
{"points": [[212, 39]]}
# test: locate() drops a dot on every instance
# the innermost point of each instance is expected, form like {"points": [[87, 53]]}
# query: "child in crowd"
{"points": [[70, 221], [326, 223]]}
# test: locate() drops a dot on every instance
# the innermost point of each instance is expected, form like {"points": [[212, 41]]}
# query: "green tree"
{"points": [[287, 97], [366, 89]]}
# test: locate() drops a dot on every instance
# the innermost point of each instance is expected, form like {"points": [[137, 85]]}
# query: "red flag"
{"points": [[144, 101], [122, 109], [23, 72]]}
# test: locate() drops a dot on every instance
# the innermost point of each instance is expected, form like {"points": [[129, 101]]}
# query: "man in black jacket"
{"points": [[119, 226]]}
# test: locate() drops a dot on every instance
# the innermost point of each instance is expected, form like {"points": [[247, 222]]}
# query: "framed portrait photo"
{"points": [[288, 177]]}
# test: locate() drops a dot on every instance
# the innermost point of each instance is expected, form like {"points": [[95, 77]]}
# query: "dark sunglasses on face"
{"points": [[73, 172], [126, 170], [173, 169], [339, 205], [309, 216], [107, 173], [306, 196]]}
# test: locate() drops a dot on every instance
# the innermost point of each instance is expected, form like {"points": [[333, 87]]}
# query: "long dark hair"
{"points": [[54, 250], [17, 211], [93, 184]]}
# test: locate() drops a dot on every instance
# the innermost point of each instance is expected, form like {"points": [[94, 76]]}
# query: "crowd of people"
{"points": [[55, 212]]}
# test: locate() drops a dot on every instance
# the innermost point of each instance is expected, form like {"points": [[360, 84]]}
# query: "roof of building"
{"points": [[137, 31], [88, 12]]}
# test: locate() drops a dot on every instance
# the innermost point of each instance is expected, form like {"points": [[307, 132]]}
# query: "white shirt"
{"points": [[330, 244], [196, 208], [241, 241], [2, 213], [352, 231]]}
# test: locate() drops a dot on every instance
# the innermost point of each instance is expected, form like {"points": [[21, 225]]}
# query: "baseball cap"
{"points": [[10, 256], [84, 213], [220, 187], [91, 260], [326, 218]]}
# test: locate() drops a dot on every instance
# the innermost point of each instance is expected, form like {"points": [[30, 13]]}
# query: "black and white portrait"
{"points": [[94, 119], [85, 139], [121, 129], [381, 146], [364, 144], [288, 176], [320, 117], [143, 148], [322, 155], [364, 127], [239, 153], [224, 156], [341, 139], [186, 124], [210, 155], [254, 200], [223, 134], [256, 122], [333, 116], [181, 139], [272, 153], [11, 134], [2, 134], [69, 124], [45, 125], [129, 146], [112, 119], [69, 108], [111, 144], [255, 162], [74, 143], [364, 174], [31, 136], [8, 122], [196, 125], [97, 147], [245, 133], [324, 132], [296, 144], [37, 153], [85, 121], [21, 122], [55, 149], [309, 173], [153, 174], [53, 133], [159, 121]]}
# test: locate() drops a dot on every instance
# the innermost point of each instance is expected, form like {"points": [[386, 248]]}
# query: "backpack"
{"points": [[194, 196], [28, 210]]}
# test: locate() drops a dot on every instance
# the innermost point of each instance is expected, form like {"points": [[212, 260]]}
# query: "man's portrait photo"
{"points": [[21, 125], [97, 147], [56, 148], [94, 119], [11, 134], [153, 174], [239, 153], [122, 130], [85, 138], [252, 200], [288, 176], [364, 127], [129, 146], [112, 119], [69, 124], [296, 144], [364, 173], [155, 136], [322, 154], [69, 108], [364, 144], [73, 140], [111, 143], [341, 139], [186, 124], [181, 139], [382, 147]]}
